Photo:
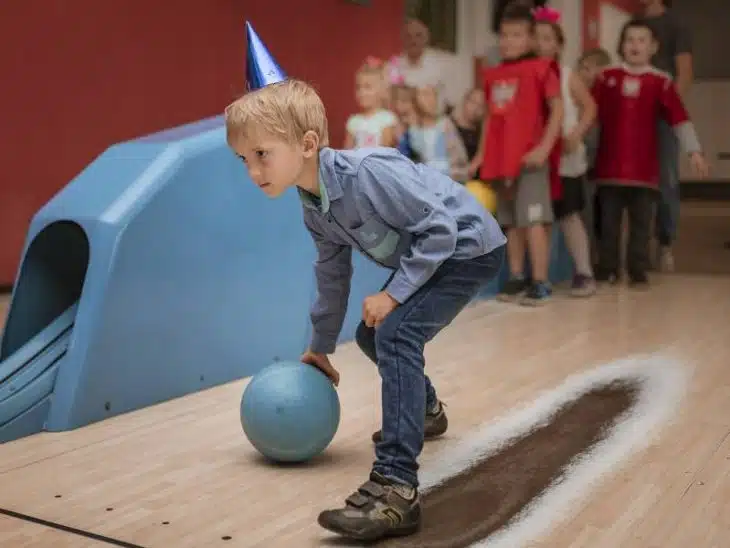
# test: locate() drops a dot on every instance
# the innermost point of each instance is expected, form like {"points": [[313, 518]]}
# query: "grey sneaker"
{"points": [[436, 424], [379, 509], [583, 286]]}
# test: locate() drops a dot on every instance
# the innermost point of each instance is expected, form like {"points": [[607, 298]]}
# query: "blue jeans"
{"points": [[397, 349], [667, 215]]}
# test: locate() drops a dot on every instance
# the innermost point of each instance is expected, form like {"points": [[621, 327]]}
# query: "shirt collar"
{"points": [[329, 184]]}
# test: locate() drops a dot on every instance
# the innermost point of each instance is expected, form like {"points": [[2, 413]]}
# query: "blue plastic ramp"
{"points": [[27, 378]]}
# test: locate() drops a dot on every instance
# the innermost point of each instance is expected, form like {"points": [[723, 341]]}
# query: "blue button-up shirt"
{"points": [[403, 216]]}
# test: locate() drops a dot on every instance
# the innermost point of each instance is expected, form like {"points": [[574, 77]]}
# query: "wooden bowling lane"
{"points": [[182, 474]]}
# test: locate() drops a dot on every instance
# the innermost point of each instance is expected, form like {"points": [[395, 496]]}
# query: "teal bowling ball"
{"points": [[290, 412]]}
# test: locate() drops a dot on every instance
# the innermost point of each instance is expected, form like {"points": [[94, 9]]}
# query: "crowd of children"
{"points": [[562, 148]]}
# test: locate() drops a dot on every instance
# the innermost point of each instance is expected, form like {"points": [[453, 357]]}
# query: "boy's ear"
{"points": [[654, 47], [310, 144]]}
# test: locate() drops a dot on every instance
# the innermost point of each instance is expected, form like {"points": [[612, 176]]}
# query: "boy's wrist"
{"points": [[323, 343]]}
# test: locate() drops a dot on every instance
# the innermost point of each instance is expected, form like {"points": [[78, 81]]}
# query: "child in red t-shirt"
{"points": [[523, 122]]}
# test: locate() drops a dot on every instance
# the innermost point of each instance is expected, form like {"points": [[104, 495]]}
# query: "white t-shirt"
{"points": [[573, 164], [367, 131]]}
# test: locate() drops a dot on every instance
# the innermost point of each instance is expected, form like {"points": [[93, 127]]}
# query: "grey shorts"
{"points": [[530, 204]]}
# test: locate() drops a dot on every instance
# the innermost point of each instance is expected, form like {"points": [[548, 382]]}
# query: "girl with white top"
{"points": [[579, 114], [373, 126]]}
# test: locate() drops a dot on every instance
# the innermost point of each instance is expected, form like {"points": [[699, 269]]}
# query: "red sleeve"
{"points": [[673, 109]]}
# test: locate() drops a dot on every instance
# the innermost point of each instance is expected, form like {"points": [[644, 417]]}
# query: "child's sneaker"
{"points": [[665, 259], [436, 424], [607, 276], [638, 280], [513, 288], [583, 286], [537, 294], [380, 508]]}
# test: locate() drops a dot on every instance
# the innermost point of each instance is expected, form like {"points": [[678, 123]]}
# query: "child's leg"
{"points": [[436, 421], [516, 284], [388, 503], [534, 211], [576, 237], [640, 202], [612, 207]]}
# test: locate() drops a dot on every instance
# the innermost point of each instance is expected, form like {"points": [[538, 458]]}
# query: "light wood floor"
{"points": [[187, 462]]}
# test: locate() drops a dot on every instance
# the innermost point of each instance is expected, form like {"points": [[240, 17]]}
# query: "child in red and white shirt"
{"points": [[631, 98]]}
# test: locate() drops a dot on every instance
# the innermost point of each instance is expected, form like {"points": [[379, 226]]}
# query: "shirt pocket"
{"points": [[377, 239]]}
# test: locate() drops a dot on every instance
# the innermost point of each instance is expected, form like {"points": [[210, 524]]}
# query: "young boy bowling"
{"points": [[441, 245]]}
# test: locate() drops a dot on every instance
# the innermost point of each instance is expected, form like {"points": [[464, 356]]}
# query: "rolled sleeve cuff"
{"points": [[400, 288], [323, 343]]}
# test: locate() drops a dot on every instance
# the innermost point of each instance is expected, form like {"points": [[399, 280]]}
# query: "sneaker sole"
{"points": [[503, 298], [583, 292], [534, 302], [402, 531]]}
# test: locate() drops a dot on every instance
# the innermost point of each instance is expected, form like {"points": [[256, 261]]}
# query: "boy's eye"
{"points": [[241, 158], [261, 153]]}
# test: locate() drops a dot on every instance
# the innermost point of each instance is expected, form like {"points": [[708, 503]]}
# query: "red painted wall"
{"points": [[79, 76]]}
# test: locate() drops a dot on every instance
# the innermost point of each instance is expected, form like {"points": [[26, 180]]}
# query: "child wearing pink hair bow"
{"points": [[571, 162]]}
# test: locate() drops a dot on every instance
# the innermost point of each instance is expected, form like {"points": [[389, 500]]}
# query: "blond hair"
{"points": [[285, 109]]}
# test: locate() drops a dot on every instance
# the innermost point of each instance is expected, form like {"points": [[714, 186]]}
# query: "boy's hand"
{"points": [[536, 157], [376, 307], [321, 362], [699, 164]]}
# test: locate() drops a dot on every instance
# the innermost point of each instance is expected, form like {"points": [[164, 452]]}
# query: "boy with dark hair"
{"points": [[631, 99], [523, 123]]}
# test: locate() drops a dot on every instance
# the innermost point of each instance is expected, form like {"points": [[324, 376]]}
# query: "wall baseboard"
{"points": [[705, 191]]}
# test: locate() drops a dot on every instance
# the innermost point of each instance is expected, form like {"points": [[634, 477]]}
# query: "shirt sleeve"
{"points": [[394, 188], [673, 109], [676, 115], [388, 118], [351, 125], [333, 274]]}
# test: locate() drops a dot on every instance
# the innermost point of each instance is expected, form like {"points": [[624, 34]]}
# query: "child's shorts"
{"points": [[529, 204], [573, 199]]}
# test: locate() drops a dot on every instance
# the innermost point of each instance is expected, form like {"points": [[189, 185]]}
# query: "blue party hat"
{"points": [[261, 67]]}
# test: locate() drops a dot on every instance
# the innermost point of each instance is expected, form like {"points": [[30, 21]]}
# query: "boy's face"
{"points": [[515, 39], [273, 163], [639, 46]]}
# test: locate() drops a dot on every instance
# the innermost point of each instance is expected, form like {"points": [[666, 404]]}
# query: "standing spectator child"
{"points": [[631, 99], [523, 123], [579, 115], [590, 64], [374, 125], [468, 118], [435, 139]]}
